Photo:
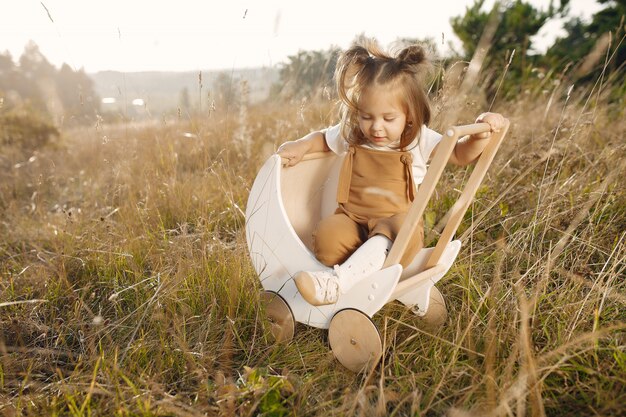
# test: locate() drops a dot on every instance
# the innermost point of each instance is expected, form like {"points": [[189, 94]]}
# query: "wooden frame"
{"points": [[456, 213], [285, 204]]}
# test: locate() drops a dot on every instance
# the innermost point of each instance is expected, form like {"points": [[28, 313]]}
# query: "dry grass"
{"points": [[126, 288]]}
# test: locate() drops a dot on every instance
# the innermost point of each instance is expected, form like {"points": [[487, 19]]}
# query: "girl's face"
{"points": [[382, 117]]}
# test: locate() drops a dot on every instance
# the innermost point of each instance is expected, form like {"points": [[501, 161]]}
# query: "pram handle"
{"points": [[426, 189], [472, 129]]}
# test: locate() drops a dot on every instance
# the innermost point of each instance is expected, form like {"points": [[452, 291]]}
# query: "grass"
{"points": [[126, 288]]}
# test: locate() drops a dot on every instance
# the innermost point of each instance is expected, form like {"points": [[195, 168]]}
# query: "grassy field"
{"points": [[126, 288]]}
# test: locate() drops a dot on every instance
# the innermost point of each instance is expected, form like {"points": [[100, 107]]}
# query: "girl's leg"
{"points": [[390, 226], [324, 287], [366, 260], [336, 237]]}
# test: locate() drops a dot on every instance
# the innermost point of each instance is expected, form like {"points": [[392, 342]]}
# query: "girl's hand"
{"points": [[293, 151], [495, 120]]}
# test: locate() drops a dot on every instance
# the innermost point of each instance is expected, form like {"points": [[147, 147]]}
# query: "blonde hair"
{"points": [[364, 65]]}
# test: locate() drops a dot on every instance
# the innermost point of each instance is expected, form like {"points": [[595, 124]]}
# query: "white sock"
{"points": [[367, 259]]}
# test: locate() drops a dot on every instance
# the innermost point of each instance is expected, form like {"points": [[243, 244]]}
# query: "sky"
{"points": [[190, 35]]}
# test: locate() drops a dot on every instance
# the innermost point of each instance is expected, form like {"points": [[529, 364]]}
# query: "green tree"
{"points": [[78, 97], [37, 76], [10, 81], [582, 38], [7, 72], [307, 73], [516, 23], [225, 91], [35, 83]]}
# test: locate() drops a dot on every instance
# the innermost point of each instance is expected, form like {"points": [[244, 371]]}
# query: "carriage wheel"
{"points": [[354, 340], [279, 315], [437, 314]]}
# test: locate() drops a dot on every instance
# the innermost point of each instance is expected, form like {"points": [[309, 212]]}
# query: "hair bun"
{"points": [[357, 54], [412, 55]]}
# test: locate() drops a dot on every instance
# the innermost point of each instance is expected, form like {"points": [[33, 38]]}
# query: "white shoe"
{"points": [[318, 288]]}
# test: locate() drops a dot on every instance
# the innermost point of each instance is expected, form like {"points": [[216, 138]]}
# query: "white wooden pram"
{"points": [[284, 207]]}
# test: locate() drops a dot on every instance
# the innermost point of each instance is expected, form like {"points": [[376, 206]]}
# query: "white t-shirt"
{"points": [[421, 148]]}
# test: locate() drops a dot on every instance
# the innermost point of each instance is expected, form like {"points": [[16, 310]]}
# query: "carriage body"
{"points": [[286, 203], [284, 206]]}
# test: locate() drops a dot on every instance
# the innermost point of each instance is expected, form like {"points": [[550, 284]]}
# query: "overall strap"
{"points": [[407, 160], [345, 175]]}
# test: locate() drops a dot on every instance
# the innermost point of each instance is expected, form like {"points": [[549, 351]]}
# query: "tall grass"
{"points": [[126, 288]]}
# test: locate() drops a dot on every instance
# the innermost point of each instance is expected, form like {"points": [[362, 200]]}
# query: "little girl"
{"points": [[383, 133]]}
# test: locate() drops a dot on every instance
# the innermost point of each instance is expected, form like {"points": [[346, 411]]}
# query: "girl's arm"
{"points": [[469, 148], [295, 150]]}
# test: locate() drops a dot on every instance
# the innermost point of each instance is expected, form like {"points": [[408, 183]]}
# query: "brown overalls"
{"points": [[374, 193]]}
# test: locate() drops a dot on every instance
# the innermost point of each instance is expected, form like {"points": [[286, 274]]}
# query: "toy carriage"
{"points": [[283, 209]]}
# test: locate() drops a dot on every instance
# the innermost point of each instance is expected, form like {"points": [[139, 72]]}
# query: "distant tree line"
{"points": [[36, 99], [66, 95], [588, 49], [306, 73]]}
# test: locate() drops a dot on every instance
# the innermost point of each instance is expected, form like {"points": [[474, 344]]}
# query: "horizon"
{"points": [[144, 37]]}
